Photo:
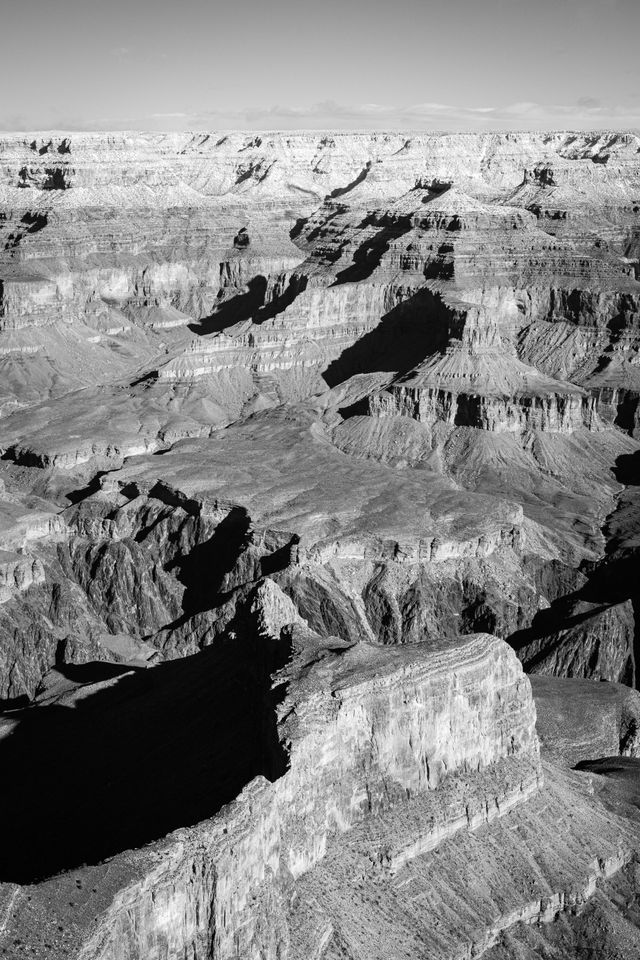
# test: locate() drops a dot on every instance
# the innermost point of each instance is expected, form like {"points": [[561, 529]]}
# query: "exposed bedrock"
{"points": [[578, 720], [170, 568], [500, 896], [405, 602], [310, 445], [581, 638], [480, 381], [593, 630], [171, 571], [217, 247], [199, 288], [487, 845], [168, 564], [445, 732], [342, 331], [553, 412]]}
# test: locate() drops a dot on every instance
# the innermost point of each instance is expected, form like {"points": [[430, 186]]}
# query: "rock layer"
{"points": [[296, 430]]}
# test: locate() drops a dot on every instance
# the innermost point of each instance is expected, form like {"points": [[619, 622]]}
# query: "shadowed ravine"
{"points": [[145, 752]]}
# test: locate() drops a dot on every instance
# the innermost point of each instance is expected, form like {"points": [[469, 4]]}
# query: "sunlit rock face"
{"points": [[420, 743], [310, 445]]}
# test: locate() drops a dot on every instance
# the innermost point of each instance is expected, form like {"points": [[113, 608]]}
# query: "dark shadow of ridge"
{"points": [[296, 285], [77, 496], [627, 469], [236, 309], [155, 750], [203, 570], [369, 256], [411, 331], [340, 191]]}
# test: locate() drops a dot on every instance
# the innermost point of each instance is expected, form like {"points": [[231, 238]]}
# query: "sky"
{"points": [[319, 64]]}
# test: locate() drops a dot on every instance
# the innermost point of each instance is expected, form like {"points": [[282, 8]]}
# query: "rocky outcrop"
{"points": [[18, 572], [582, 719], [474, 881], [466, 399], [367, 731]]}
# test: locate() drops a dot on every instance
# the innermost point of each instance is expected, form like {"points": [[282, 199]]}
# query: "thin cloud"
{"points": [[529, 114], [585, 113], [590, 103]]}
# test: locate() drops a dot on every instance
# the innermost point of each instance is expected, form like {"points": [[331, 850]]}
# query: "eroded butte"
{"points": [[319, 543]]}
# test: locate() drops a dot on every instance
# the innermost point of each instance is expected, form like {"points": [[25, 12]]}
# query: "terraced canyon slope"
{"points": [[313, 447]]}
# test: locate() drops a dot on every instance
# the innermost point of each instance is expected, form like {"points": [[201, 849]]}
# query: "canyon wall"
{"points": [[309, 443]]}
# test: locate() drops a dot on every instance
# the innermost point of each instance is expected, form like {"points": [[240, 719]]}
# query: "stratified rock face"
{"points": [[309, 444], [485, 390], [399, 723], [444, 736]]}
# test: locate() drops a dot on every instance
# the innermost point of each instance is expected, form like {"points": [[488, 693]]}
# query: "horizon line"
{"points": [[305, 131]]}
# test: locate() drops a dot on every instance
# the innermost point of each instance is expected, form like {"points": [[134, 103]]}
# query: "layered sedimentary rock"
{"points": [[418, 811], [308, 440], [444, 733]]}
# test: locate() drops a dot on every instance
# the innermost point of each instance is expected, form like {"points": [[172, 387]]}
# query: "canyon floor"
{"points": [[319, 546]]}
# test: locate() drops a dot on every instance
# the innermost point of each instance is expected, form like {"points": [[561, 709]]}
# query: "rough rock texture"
{"points": [[583, 719], [463, 309], [444, 734], [306, 441]]}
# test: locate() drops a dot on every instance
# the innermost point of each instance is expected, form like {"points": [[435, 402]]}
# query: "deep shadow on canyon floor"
{"points": [[149, 751]]}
